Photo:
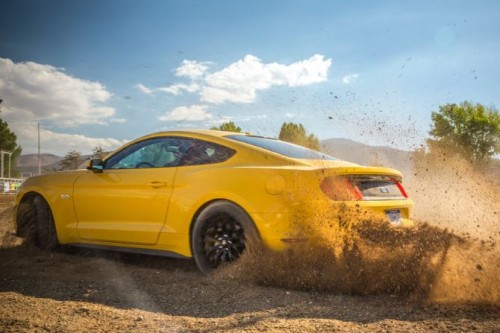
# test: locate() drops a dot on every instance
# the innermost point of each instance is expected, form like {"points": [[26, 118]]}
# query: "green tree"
{"points": [[72, 160], [98, 152], [8, 144], [471, 130], [228, 126], [296, 133]]}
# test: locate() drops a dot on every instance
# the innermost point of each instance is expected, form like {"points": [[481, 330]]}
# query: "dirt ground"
{"points": [[91, 291]]}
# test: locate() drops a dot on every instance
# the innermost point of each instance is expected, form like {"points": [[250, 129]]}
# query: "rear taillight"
{"points": [[363, 187], [340, 189], [400, 187]]}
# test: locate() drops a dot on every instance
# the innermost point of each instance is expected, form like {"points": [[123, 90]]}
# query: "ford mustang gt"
{"points": [[199, 194]]}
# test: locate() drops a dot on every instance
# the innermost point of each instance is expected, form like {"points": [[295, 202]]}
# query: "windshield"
{"points": [[282, 147]]}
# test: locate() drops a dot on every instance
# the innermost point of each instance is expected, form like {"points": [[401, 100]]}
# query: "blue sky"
{"points": [[100, 73]]}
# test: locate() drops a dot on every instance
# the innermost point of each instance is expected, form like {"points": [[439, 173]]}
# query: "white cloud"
{"points": [[58, 143], [33, 92], [176, 89], [142, 88], [221, 119], [290, 115], [250, 118], [240, 81], [190, 113], [192, 69], [349, 78], [118, 120]]}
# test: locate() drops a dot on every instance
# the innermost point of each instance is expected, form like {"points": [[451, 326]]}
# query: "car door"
{"points": [[128, 201]]}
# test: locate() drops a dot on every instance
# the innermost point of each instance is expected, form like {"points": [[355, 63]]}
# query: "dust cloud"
{"points": [[450, 256], [452, 194]]}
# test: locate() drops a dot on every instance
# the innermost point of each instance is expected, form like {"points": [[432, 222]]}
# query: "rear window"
{"points": [[282, 147]]}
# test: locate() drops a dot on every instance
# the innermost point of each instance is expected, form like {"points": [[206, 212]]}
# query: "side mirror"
{"points": [[96, 165]]}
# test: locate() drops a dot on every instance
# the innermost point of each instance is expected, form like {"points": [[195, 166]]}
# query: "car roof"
{"points": [[203, 134], [200, 131], [207, 134]]}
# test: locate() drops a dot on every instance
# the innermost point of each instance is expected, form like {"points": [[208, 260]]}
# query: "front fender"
{"points": [[57, 190]]}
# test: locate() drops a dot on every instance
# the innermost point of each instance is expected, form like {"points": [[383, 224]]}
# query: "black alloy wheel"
{"points": [[220, 235], [223, 240]]}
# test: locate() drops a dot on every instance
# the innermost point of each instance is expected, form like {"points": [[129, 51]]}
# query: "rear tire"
{"points": [[221, 233], [46, 235]]}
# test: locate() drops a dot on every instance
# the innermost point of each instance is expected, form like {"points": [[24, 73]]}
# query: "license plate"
{"points": [[394, 216]]}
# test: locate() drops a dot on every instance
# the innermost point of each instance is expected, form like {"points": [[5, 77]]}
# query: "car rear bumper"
{"points": [[280, 231]]}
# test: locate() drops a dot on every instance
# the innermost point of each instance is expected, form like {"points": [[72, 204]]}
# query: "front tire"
{"points": [[221, 233], [46, 236]]}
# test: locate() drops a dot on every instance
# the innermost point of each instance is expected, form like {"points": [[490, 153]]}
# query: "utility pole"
{"points": [[2, 157], [39, 159]]}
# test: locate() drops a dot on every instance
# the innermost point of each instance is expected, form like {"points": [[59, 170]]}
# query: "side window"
{"points": [[152, 153], [204, 152]]}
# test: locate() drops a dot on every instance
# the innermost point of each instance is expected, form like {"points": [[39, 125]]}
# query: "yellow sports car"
{"points": [[200, 194]]}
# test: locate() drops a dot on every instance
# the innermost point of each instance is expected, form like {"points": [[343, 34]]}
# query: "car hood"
{"points": [[59, 175]]}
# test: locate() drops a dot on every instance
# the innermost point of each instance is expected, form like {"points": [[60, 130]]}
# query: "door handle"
{"points": [[157, 183]]}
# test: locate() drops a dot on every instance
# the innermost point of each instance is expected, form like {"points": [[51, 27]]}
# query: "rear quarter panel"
{"points": [[260, 191]]}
